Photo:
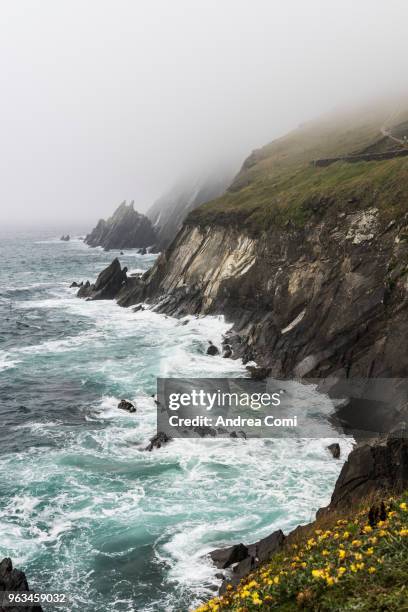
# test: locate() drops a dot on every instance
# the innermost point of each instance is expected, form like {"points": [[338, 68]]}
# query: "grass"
{"points": [[341, 564], [279, 185]]}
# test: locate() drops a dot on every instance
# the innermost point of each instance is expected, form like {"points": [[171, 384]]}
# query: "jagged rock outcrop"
{"points": [[168, 212], [108, 284], [12, 579], [125, 229]]}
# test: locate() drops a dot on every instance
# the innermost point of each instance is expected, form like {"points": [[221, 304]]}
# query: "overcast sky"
{"points": [[106, 100]]}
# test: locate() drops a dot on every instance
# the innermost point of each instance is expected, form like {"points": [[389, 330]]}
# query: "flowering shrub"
{"points": [[358, 563]]}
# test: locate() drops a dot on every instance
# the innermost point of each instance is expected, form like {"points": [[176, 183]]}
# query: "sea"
{"points": [[84, 509]]}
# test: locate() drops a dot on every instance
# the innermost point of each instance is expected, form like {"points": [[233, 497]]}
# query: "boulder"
{"points": [[227, 351], [158, 440], [246, 558], [212, 349], [65, 238], [75, 284], [126, 405], [335, 450], [14, 580], [224, 557]]}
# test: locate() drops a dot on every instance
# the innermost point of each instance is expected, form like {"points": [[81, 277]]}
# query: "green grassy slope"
{"points": [[278, 183]]}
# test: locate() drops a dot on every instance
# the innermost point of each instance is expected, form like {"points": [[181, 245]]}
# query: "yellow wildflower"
{"points": [[325, 553], [346, 535], [403, 506], [367, 529], [403, 532], [356, 543], [370, 551], [342, 570], [342, 553], [318, 573], [371, 570], [358, 556], [256, 599]]}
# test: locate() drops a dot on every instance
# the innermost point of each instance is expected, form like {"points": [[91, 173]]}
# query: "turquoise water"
{"points": [[83, 509]]}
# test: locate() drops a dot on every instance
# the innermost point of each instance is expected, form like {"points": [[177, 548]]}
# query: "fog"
{"points": [[106, 100]]}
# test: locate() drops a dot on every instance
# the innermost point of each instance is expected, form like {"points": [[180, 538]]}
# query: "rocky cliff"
{"points": [[125, 229], [168, 212], [310, 264]]}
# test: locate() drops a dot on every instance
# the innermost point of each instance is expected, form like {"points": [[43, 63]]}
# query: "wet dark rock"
{"points": [[75, 284], [121, 253], [12, 579], [212, 349], [205, 431], [335, 450], [258, 373], [142, 251], [108, 283], [66, 238], [138, 308], [157, 441], [126, 405], [246, 558], [227, 351], [372, 468], [238, 434], [84, 289], [224, 557]]}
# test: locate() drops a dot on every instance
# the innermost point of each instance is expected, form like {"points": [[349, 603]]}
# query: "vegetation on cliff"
{"points": [[279, 184], [357, 561]]}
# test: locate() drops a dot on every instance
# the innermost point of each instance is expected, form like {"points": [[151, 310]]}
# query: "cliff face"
{"points": [[309, 263], [125, 229], [168, 212], [330, 296]]}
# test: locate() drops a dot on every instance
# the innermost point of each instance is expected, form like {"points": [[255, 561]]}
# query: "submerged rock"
{"points": [[126, 405], [158, 440], [12, 579]]}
